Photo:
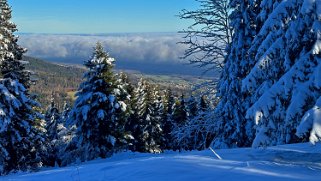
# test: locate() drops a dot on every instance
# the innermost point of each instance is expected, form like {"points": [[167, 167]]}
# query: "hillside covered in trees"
{"points": [[62, 80], [59, 81]]}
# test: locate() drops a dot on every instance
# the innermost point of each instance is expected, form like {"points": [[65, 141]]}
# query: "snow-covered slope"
{"points": [[288, 162]]}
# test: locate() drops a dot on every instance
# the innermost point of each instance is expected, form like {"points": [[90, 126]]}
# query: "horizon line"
{"points": [[98, 34]]}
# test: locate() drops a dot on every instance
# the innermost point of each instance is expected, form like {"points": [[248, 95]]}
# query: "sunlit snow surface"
{"points": [[289, 162]]}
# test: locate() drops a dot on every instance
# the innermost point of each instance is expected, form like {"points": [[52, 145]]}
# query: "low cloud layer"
{"points": [[152, 48]]}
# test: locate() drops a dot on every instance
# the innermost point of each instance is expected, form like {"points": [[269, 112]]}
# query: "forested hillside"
{"points": [[61, 81]]}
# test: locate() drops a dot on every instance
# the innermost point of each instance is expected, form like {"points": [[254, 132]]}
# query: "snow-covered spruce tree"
{"points": [[97, 111], [135, 124], [154, 141], [180, 119], [55, 133], [53, 118], [269, 49], [66, 132], [65, 112], [180, 112], [192, 107], [286, 77], [146, 117], [11, 53], [233, 130], [22, 135], [124, 91], [168, 124], [183, 133]]}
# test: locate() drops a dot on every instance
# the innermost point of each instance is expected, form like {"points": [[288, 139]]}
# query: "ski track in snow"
{"points": [[288, 162]]}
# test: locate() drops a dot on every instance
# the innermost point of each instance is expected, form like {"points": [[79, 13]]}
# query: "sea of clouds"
{"points": [[152, 47], [156, 53]]}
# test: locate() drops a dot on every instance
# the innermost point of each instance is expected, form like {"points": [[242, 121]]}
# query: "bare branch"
{"points": [[209, 35]]}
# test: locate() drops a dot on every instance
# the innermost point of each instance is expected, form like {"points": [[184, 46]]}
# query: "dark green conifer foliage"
{"points": [[168, 124], [22, 134], [180, 113], [98, 111], [11, 53]]}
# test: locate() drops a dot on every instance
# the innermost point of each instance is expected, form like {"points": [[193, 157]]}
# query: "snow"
{"points": [[101, 114], [116, 91], [109, 61], [123, 106], [316, 131], [112, 98], [287, 162], [317, 76], [117, 106], [307, 6], [112, 140], [312, 120], [84, 111]]}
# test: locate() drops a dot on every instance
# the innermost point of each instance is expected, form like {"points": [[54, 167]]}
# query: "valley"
{"points": [[62, 81]]}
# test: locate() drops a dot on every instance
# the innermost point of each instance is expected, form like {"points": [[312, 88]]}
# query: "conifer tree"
{"points": [[22, 135], [284, 80], [154, 121], [146, 118], [184, 137], [233, 129], [52, 118], [11, 53], [123, 95], [192, 107], [168, 124], [139, 108], [180, 113], [65, 112], [180, 119], [56, 133], [97, 110]]}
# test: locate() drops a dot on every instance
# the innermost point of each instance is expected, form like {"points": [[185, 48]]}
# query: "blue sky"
{"points": [[99, 16]]}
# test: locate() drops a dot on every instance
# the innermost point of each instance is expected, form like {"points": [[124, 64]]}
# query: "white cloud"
{"points": [[138, 47]]}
